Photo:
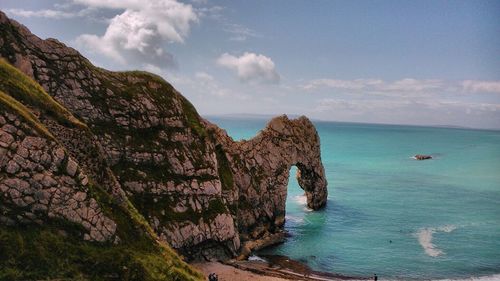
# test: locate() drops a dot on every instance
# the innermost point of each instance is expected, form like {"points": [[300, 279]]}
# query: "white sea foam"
{"points": [[424, 236], [294, 219], [300, 199], [256, 258], [447, 228], [495, 277]]}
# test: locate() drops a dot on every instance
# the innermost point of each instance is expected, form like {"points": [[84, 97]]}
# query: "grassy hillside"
{"points": [[29, 92], [55, 249]]}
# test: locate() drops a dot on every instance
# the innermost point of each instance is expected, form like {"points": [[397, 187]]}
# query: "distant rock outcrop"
{"points": [[131, 140], [422, 157]]}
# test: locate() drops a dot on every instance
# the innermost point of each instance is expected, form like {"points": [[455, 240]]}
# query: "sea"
{"points": [[389, 214]]}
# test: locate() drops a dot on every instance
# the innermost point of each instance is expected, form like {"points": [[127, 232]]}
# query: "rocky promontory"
{"points": [[100, 170]]}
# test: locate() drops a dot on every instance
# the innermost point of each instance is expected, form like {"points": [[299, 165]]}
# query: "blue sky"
{"points": [[403, 62]]}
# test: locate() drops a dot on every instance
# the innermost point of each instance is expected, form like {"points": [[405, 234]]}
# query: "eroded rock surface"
{"points": [[39, 180], [260, 168], [199, 190]]}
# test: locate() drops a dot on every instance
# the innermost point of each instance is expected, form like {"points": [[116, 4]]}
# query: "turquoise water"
{"points": [[392, 215]]}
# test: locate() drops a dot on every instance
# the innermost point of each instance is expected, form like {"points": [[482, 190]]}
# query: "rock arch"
{"points": [[260, 168]]}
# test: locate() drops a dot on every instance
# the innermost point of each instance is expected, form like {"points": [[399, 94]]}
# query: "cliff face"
{"points": [[58, 218], [144, 145], [260, 169]]}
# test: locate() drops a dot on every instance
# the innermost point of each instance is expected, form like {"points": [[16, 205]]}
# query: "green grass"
{"points": [[224, 168], [22, 88], [18, 108], [41, 252], [138, 235], [131, 83], [192, 118], [144, 74], [152, 206], [56, 250]]}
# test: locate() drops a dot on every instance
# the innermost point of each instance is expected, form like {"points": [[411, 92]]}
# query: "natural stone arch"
{"points": [[260, 168]]}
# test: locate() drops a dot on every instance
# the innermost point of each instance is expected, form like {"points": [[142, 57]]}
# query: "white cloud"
{"points": [[239, 32], [203, 76], [375, 85], [251, 67], [153, 69], [411, 85], [475, 86], [113, 4], [405, 87], [213, 12], [404, 105], [139, 33], [329, 104], [407, 101], [48, 13], [200, 2], [357, 84], [207, 84]]}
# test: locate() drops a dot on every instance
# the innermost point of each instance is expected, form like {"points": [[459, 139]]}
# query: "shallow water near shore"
{"points": [[390, 214]]}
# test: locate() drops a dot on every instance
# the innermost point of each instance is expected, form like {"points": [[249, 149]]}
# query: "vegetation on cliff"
{"points": [[107, 167], [54, 248], [29, 92]]}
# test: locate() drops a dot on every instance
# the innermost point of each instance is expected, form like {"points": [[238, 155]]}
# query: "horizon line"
{"points": [[293, 115]]}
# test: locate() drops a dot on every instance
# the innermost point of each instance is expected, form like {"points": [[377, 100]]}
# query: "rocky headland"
{"points": [[102, 172]]}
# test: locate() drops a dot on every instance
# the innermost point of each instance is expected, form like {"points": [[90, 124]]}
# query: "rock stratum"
{"points": [[102, 173]]}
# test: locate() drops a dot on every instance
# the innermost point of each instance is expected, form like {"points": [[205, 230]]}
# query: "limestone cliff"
{"points": [[260, 169], [87, 142], [57, 220]]}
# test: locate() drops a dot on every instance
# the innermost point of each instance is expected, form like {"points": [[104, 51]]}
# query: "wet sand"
{"points": [[275, 268], [231, 273]]}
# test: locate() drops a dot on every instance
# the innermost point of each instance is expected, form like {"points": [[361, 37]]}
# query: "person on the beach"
{"points": [[213, 277], [375, 277]]}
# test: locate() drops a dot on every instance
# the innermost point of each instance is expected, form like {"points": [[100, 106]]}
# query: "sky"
{"points": [[397, 62]]}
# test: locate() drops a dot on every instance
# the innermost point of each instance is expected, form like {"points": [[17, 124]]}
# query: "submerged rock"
{"points": [[422, 157]]}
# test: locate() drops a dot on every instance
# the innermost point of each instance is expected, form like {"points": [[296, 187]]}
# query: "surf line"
{"points": [[424, 236]]}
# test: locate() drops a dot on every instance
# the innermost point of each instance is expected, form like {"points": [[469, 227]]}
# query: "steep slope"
{"points": [[142, 142], [57, 221], [151, 137]]}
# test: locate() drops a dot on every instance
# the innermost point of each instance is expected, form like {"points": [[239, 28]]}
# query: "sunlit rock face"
{"points": [[145, 143], [261, 166]]}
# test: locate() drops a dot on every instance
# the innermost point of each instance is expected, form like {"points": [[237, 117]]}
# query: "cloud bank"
{"points": [[407, 85], [475, 86], [45, 13]]}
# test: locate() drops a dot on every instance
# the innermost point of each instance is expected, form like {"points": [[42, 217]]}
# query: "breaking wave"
{"points": [[494, 277], [424, 236]]}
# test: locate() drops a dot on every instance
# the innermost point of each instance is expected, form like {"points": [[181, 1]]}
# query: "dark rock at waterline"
{"points": [[422, 157], [299, 268]]}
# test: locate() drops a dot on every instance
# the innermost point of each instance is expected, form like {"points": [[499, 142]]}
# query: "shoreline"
{"points": [[269, 268], [256, 270]]}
